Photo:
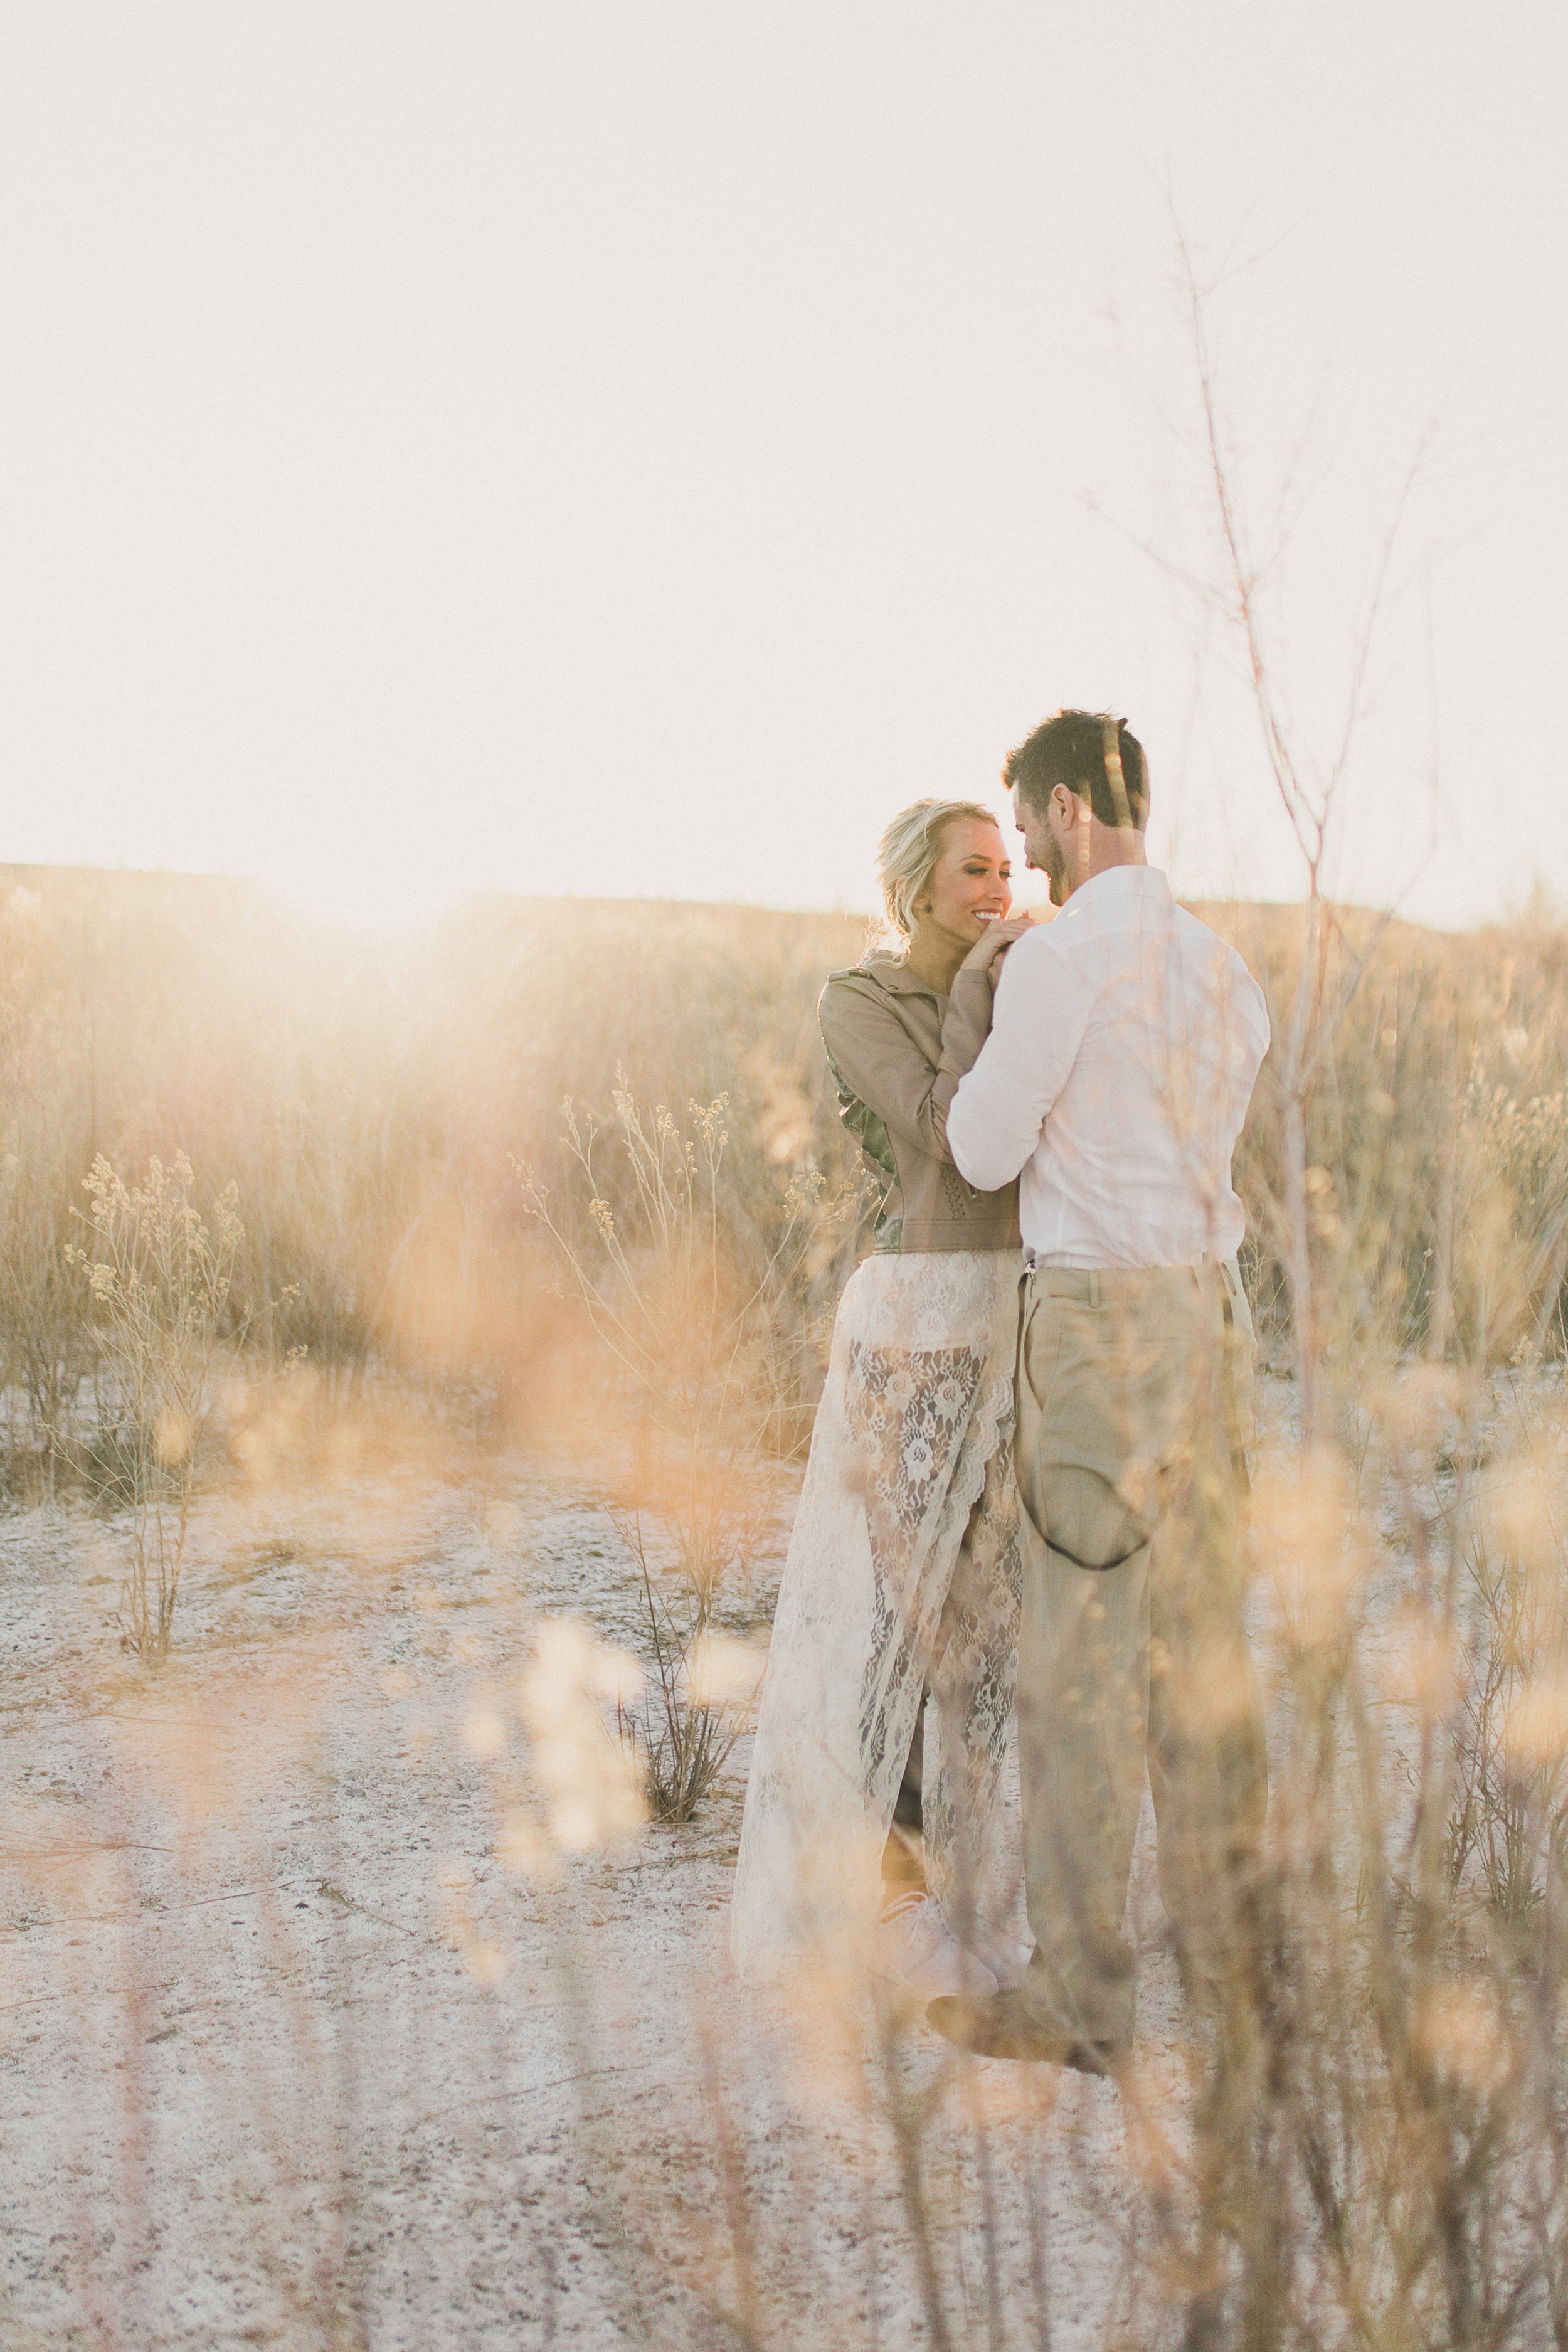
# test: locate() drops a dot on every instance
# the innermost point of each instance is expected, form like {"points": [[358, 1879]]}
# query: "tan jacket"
{"points": [[898, 1050]]}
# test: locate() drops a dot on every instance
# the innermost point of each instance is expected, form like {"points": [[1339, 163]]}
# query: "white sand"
{"points": [[256, 2090]]}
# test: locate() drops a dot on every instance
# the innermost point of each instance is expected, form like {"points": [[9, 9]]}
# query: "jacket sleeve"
{"points": [[1042, 1010], [878, 1059]]}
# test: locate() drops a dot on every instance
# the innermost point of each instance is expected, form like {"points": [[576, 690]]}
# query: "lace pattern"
{"points": [[903, 1572]]}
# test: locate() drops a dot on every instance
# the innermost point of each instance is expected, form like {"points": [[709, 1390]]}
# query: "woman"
{"points": [[902, 1574]]}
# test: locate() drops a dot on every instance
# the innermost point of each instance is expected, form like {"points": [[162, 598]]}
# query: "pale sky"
{"points": [[633, 449]]}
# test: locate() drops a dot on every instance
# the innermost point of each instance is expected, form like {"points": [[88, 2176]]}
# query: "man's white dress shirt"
{"points": [[1124, 1043]]}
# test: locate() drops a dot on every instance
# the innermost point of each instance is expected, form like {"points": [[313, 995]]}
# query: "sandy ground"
{"points": [[291, 2058]]}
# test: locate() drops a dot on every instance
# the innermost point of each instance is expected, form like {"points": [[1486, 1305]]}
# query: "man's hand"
{"points": [[987, 952]]}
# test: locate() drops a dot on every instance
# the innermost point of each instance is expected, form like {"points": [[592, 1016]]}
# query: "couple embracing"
{"points": [[1027, 1480]]}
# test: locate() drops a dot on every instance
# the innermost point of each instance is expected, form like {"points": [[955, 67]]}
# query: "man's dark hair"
{"points": [[1075, 748]]}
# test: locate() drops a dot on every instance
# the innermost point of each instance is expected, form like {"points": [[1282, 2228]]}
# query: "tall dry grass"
{"points": [[370, 1102], [1435, 1141]]}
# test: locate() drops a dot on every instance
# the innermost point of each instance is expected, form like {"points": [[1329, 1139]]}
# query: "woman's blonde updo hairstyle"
{"points": [[908, 852]]}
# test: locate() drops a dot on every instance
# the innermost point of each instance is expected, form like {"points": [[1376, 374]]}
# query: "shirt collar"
{"points": [[1123, 882]]}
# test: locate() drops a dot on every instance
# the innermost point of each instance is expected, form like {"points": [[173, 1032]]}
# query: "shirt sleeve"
{"points": [[1042, 1009], [880, 1063], [1251, 1037]]}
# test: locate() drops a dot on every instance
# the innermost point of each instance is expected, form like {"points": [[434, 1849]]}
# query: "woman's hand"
{"points": [[988, 951]]}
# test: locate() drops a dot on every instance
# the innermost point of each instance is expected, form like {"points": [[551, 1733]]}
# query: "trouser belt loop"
{"points": [[1093, 1288]]}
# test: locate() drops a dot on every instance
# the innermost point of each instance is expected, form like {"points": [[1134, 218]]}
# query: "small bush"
{"points": [[160, 1284]]}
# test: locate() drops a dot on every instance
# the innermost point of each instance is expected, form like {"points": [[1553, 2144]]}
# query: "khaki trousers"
{"points": [[1133, 1389]]}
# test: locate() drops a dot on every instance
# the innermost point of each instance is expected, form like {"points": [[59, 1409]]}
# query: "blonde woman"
{"points": [[891, 1675]]}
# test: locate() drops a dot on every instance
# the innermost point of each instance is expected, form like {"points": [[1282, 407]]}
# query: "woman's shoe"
{"points": [[916, 1948], [1004, 1956]]}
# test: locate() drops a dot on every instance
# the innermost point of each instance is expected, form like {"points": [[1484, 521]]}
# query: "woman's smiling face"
{"points": [[970, 885]]}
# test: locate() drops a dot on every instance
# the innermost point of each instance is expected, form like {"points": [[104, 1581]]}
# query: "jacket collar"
{"points": [[891, 973]]}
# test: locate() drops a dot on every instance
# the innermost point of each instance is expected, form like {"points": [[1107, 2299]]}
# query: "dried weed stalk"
{"points": [[1375, 2150], [160, 1281]]}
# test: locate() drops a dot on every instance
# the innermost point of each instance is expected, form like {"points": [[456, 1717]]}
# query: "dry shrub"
{"points": [[160, 1286], [696, 1299]]}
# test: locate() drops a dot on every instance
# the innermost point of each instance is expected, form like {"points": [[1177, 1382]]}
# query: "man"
{"points": [[1123, 1049]]}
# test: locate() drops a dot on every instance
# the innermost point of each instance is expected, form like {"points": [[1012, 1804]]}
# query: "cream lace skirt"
{"points": [[902, 1571]]}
